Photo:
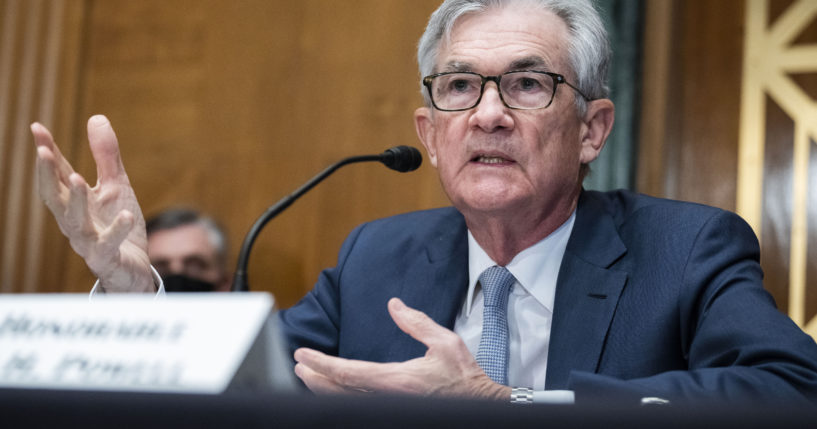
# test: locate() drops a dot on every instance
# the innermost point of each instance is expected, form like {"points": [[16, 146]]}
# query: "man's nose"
{"points": [[176, 267], [491, 114]]}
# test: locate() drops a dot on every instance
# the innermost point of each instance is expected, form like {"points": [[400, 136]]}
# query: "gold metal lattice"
{"points": [[769, 61]]}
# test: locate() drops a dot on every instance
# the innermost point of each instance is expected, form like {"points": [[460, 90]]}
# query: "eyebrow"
{"points": [[458, 66], [530, 62]]}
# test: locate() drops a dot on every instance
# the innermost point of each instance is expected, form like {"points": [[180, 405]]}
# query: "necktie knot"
{"points": [[496, 282]]}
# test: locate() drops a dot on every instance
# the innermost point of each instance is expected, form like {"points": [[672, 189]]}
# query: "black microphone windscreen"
{"points": [[402, 158]]}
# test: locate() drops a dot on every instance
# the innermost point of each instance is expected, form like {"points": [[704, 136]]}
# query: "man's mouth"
{"points": [[484, 159]]}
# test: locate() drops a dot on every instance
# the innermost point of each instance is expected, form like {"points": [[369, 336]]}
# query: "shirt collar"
{"points": [[535, 268]]}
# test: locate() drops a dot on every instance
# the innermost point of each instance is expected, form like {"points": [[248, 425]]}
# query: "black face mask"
{"points": [[182, 283]]}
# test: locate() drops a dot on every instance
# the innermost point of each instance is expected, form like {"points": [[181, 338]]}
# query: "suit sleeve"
{"points": [[314, 320], [738, 346]]}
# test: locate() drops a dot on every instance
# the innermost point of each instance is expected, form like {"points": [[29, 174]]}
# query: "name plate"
{"points": [[191, 343]]}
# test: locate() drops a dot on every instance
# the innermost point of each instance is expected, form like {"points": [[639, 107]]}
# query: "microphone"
{"points": [[399, 158], [402, 158]]}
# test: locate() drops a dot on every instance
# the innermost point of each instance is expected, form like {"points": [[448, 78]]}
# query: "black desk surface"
{"points": [[60, 409]]}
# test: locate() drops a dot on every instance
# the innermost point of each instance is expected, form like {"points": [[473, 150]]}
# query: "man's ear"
{"points": [[424, 125], [598, 121]]}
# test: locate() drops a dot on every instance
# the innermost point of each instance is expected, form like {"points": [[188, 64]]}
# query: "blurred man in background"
{"points": [[189, 250]]}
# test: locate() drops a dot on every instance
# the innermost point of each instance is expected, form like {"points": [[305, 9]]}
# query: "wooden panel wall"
{"points": [[39, 67], [776, 188], [692, 146], [691, 104], [229, 106]]}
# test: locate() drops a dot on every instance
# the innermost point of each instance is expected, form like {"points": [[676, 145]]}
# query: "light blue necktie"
{"points": [[492, 355]]}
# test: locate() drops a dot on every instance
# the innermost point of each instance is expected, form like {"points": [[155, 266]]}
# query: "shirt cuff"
{"points": [[565, 397], [157, 280]]}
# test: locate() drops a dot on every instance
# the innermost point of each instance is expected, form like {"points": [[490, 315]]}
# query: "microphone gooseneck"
{"points": [[399, 158]]}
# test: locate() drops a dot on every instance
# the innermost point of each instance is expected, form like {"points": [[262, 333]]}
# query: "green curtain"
{"points": [[615, 168]]}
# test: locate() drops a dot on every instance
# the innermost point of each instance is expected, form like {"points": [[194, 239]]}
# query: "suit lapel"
{"points": [[587, 289], [587, 293], [437, 282]]}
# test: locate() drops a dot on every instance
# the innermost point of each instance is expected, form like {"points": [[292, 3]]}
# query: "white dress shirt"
{"points": [[530, 305]]}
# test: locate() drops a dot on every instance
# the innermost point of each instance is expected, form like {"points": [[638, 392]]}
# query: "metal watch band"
{"points": [[521, 395]]}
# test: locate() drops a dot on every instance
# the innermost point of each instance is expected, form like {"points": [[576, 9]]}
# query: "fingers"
{"points": [[105, 149], [318, 383], [47, 150], [335, 374], [77, 210], [118, 231], [416, 323], [48, 183], [78, 224], [107, 244]]}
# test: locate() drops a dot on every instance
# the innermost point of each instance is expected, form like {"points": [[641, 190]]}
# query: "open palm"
{"points": [[104, 223]]}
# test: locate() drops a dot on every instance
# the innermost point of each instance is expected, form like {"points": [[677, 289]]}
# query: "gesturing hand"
{"points": [[447, 369], [104, 224]]}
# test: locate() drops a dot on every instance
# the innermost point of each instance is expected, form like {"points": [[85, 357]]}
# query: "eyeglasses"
{"points": [[521, 89]]}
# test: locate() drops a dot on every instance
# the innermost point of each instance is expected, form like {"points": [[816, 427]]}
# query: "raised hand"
{"points": [[447, 369], [104, 223]]}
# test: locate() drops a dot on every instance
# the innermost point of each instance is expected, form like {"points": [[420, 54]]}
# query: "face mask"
{"points": [[182, 283]]}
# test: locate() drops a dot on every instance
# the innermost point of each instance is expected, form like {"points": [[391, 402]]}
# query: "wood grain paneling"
{"points": [[704, 138], [38, 81], [229, 106], [811, 270], [659, 123], [808, 83], [777, 203], [710, 101], [691, 99]]}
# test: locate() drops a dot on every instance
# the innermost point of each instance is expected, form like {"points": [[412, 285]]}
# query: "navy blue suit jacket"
{"points": [[654, 298]]}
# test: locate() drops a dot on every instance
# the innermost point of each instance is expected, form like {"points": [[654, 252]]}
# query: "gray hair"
{"points": [[588, 45], [176, 217]]}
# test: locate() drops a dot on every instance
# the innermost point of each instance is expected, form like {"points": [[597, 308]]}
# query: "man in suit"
{"points": [[529, 288], [616, 294]]}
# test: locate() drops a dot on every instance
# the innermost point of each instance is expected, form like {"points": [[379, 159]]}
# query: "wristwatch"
{"points": [[521, 395]]}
